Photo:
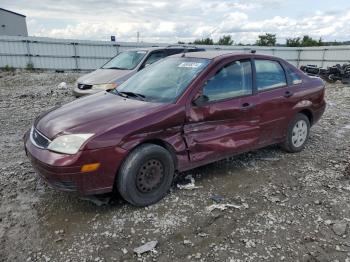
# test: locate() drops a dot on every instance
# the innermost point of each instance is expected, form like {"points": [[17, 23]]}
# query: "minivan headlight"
{"points": [[68, 144], [105, 86]]}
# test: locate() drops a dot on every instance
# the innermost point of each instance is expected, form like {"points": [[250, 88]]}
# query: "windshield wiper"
{"points": [[129, 93], [114, 67], [115, 91]]}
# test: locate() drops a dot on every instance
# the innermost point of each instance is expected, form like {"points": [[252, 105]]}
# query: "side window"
{"points": [[269, 75], [233, 80], [294, 77], [154, 57], [173, 51]]}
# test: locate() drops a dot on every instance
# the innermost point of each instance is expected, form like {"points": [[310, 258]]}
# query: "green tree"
{"points": [[308, 41], [204, 41], [293, 42], [266, 40], [225, 40], [305, 41]]}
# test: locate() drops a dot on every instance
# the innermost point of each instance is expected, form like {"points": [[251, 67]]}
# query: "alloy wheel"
{"points": [[299, 134]]}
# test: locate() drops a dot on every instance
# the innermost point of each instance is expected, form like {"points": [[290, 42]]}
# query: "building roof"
{"points": [[11, 12]]}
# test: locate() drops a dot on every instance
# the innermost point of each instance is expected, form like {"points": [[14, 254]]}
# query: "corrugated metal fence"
{"points": [[49, 53]]}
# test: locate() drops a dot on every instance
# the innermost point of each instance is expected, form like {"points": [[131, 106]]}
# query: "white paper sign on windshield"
{"points": [[190, 64]]}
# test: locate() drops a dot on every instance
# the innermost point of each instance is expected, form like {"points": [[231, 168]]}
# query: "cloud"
{"points": [[171, 21]]}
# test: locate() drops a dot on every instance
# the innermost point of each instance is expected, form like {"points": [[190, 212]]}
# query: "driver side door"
{"points": [[225, 122]]}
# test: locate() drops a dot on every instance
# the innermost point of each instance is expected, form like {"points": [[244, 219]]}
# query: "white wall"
{"points": [[12, 24], [49, 53]]}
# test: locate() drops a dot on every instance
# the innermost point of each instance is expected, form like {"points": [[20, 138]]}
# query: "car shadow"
{"points": [[218, 168], [110, 202]]}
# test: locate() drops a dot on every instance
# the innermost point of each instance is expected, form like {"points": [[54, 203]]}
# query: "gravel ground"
{"points": [[284, 207]]}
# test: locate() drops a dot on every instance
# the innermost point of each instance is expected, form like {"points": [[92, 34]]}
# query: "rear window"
{"points": [[174, 51], [294, 77], [269, 75]]}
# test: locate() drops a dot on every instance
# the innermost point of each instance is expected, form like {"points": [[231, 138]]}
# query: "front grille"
{"points": [[84, 87], [39, 139]]}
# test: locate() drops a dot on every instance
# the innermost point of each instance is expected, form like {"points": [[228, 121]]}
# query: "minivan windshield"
{"points": [[163, 81], [125, 61]]}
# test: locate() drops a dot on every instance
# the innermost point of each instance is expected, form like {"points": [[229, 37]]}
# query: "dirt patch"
{"points": [[284, 207]]}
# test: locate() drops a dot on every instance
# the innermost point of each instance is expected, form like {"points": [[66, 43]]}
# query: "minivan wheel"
{"points": [[146, 175], [297, 134]]}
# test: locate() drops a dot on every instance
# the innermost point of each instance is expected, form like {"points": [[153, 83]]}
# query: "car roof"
{"points": [[223, 53], [154, 48]]}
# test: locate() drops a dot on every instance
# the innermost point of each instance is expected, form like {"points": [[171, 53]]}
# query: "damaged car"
{"points": [[182, 112]]}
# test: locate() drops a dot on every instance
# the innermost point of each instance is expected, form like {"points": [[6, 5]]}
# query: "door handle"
{"points": [[247, 106], [288, 94]]}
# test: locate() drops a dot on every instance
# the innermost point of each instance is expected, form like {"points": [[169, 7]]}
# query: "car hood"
{"points": [[95, 114], [103, 76]]}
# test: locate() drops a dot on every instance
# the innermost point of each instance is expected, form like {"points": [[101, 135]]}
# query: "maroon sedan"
{"points": [[182, 112]]}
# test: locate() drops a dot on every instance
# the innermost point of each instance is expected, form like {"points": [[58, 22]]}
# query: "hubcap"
{"points": [[150, 176], [299, 133]]}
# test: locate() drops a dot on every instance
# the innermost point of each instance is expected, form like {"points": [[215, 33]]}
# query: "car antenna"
{"points": [[253, 51]]}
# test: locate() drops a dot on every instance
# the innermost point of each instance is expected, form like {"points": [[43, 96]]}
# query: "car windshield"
{"points": [[125, 61], [163, 81]]}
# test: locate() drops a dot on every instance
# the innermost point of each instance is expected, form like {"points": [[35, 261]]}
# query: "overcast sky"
{"points": [[184, 20]]}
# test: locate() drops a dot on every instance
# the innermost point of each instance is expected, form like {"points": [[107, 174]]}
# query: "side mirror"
{"points": [[200, 100]]}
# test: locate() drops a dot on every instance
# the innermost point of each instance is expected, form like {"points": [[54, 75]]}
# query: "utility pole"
{"points": [[138, 36]]}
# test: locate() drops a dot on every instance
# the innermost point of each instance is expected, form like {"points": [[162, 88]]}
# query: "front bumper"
{"points": [[63, 172]]}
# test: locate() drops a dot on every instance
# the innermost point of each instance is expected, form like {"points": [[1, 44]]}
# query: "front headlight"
{"points": [[68, 144], [105, 86]]}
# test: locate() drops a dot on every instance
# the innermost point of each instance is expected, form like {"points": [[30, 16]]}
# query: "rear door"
{"points": [[275, 98], [227, 123]]}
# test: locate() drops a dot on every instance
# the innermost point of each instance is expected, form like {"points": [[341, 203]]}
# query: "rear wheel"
{"points": [[146, 175], [297, 134]]}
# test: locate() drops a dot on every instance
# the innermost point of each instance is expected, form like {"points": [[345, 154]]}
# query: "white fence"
{"points": [[65, 54]]}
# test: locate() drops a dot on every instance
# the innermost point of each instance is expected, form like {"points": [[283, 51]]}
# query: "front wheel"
{"points": [[146, 175], [297, 134]]}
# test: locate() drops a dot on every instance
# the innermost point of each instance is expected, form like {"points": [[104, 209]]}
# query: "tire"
{"points": [[345, 81], [329, 79], [146, 175], [297, 134]]}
